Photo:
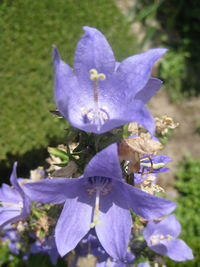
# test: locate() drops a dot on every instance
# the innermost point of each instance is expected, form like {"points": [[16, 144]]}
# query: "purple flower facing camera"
{"points": [[100, 94], [99, 199]]}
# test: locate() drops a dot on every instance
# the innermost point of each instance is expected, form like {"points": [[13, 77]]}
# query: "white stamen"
{"points": [[96, 209]]}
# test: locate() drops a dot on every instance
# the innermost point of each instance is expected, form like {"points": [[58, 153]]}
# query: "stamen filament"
{"points": [[19, 205], [96, 210], [94, 76]]}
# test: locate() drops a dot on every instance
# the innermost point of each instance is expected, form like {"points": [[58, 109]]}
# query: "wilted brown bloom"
{"points": [[165, 123], [132, 149], [133, 128], [149, 187]]}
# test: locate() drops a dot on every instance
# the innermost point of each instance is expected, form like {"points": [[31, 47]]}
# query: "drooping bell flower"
{"points": [[99, 94]]}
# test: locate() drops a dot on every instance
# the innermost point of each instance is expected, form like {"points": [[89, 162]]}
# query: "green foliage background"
{"points": [[28, 31], [188, 210]]}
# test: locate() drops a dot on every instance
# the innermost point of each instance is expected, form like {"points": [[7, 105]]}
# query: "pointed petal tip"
{"points": [[15, 165], [13, 176], [55, 53], [88, 28], [91, 31]]}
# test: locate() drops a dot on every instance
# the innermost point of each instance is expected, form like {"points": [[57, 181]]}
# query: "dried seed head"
{"points": [[165, 123]]}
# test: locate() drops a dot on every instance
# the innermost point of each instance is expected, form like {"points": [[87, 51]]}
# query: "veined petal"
{"points": [[93, 52], [135, 71], [55, 190], [129, 112], [147, 205], [140, 114], [65, 82], [73, 223], [105, 163], [9, 194], [150, 89], [178, 250], [115, 216]]}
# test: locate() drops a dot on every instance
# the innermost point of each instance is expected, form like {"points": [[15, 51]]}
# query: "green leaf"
{"points": [[59, 153]]}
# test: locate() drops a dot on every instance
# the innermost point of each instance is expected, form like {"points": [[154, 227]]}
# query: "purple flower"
{"points": [[13, 239], [91, 245], [99, 199], [161, 237], [15, 204], [143, 264], [157, 167], [49, 247], [100, 94]]}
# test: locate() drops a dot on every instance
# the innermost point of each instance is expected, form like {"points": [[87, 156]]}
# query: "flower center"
{"points": [[102, 186], [155, 239], [95, 115]]}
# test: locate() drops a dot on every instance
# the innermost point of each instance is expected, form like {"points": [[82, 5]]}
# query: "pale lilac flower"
{"points": [[99, 199], [100, 94], [161, 237], [15, 204], [143, 264]]}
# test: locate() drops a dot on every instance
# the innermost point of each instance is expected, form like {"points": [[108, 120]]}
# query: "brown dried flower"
{"points": [[165, 123]]}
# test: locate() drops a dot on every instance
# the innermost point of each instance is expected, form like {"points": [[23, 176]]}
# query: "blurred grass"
{"points": [[28, 30], [188, 186]]}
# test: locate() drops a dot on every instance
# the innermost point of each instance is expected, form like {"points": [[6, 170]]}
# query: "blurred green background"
{"points": [[28, 31]]}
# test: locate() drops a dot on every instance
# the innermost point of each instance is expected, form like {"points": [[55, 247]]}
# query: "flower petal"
{"points": [[9, 194], [150, 89], [8, 216], [134, 72], [105, 163], [178, 250], [73, 223], [129, 112], [93, 52], [147, 205], [65, 83], [55, 190], [14, 182], [116, 220], [169, 226], [143, 264]]}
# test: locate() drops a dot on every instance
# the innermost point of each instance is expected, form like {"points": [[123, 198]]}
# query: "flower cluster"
{"points": [[96, 212]]}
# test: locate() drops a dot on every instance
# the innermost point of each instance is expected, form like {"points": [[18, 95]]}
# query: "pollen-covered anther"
{"points": [[155, 239], [169, 237], [90, 191], [106, 190]]}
